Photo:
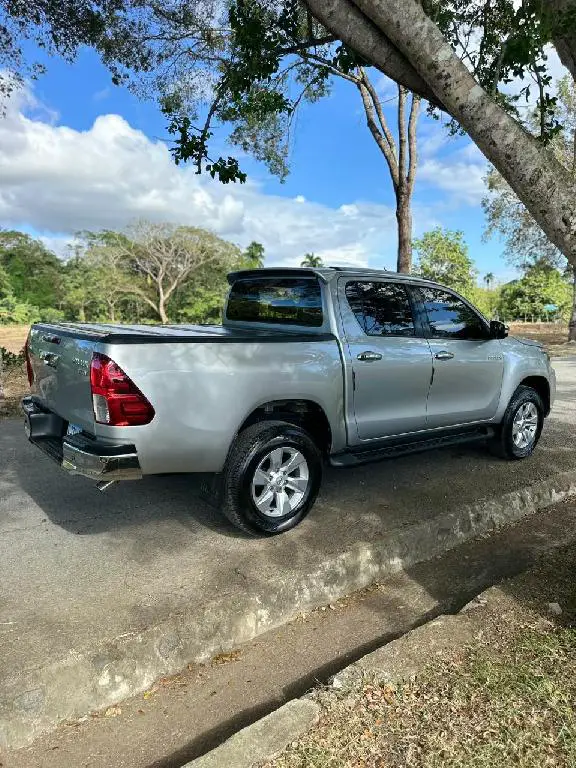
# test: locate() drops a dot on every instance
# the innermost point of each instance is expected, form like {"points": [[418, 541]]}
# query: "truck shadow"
{"points": [[354, 505]]}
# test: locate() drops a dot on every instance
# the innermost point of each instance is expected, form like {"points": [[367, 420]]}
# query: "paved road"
{"points": [[78, 567]]}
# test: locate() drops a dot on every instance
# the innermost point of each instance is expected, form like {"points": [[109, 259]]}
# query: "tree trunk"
{"points": [[572, 323], [404, 219], [82, 314], [537, 178], [162, 311]]}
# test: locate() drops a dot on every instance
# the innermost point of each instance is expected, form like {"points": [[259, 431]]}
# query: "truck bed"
{"points": [[168, 334]]}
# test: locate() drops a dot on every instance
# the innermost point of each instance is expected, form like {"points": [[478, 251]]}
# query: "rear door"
{"points": [[61, 367], [468, 364], [390, 358]]}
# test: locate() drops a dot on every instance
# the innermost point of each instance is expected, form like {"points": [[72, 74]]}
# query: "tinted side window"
{"points": [[284, 301], [382, 309], [451, 318]]}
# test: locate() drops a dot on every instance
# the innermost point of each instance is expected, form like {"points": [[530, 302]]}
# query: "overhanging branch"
{"points": [[357, 31]]}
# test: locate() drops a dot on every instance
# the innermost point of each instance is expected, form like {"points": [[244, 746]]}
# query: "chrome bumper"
{"points": [[78, 454]]}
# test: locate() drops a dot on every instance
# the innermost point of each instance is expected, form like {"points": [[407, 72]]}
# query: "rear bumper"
{"points": [[78, 454]]}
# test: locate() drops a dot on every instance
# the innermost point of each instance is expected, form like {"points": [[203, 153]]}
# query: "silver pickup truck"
{"points": [[310, 365]]}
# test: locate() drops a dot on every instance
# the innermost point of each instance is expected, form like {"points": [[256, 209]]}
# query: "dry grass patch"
{"points": [[13, 337], [506, 700], [13, 387], [13, 380]]}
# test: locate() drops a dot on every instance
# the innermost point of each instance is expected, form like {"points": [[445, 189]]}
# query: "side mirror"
{"points": [[498, 330]]}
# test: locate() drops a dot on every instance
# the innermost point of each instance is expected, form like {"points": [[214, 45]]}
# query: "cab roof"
{"points": [[324, 273]]}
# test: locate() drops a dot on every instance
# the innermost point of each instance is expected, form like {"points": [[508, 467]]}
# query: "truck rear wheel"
{"points": [[271, 478]]}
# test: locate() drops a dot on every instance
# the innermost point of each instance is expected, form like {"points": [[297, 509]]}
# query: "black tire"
{"points": [[250, 448], [503, 444]]}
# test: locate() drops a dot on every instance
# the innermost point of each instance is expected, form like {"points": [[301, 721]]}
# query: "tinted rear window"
{"points": [[284, 301], [382, 309]]}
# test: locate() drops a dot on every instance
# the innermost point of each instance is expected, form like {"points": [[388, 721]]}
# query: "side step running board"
{"points": [[353, 458]]}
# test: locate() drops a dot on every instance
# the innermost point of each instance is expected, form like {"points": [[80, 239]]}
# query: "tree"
{"points": [[35, 273], [164, 256], [253, 256], [111, 275], [525, 242], [489, 280], [5, 285], [260, 106], [454, 53], [61, 29], [443, 257], [409, 44], [12, 310], [78, 294], [310, 260], [402, 160], [541, 285]]}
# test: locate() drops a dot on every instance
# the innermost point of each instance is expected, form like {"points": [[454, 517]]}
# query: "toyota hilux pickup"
{"points": [[310, 366]]}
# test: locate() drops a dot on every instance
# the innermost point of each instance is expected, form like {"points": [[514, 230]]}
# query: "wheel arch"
{"points": [[541, 385], [304, 413]]}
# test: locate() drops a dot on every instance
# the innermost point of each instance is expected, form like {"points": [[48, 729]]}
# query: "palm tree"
{"points": [[253, 256], [489, 280], [310, 260]]}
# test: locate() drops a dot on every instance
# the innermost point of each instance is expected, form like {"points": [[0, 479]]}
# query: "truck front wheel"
{"points": [[271, 478], [521, 426]]}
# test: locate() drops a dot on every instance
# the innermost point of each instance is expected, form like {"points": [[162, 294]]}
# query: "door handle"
{"points": [[443, 355], [368, 356]]}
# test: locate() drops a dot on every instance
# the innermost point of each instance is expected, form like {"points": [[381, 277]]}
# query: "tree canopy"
{"points": [[443, 257], [524, 240], [150, 273], [541, 286]]}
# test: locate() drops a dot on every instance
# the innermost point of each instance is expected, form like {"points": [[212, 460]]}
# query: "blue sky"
{"points": [[77, 152]]}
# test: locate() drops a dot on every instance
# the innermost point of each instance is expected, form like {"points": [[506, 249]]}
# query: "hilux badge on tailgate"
{"points": [[81, 365]]}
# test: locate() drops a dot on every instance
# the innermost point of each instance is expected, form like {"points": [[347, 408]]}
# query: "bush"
{"points": [[50, 315], [12, 311], [11, 359]]}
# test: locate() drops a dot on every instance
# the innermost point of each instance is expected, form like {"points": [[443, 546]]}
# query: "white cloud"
{"points": [[102, 94], [464, 182], [349, 210], [58, 244], [55, 181]]}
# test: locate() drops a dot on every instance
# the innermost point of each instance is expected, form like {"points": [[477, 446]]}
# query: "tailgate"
{"points": [[61, 367]]}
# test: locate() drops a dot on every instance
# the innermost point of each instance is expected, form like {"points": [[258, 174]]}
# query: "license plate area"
{"points": [[73, 429]]}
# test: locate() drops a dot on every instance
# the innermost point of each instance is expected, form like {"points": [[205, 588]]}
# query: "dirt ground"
{"points": [[13, 381], [12, 337]]}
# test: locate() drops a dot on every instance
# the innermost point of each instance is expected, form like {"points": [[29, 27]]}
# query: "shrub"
{"points": [[12, 359]]}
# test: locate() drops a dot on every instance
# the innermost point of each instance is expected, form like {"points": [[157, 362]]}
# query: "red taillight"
{"points": [[116, 400], [29, 370]]}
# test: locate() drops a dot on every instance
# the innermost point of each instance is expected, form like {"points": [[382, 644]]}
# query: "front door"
{"points": [[389, 357], [468, 364]]}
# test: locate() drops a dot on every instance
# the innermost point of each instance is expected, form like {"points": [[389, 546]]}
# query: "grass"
{"points": [[507, 700]]}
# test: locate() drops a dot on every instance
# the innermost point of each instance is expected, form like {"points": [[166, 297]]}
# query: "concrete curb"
{"points": [[34, 701], [264, 739]]}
